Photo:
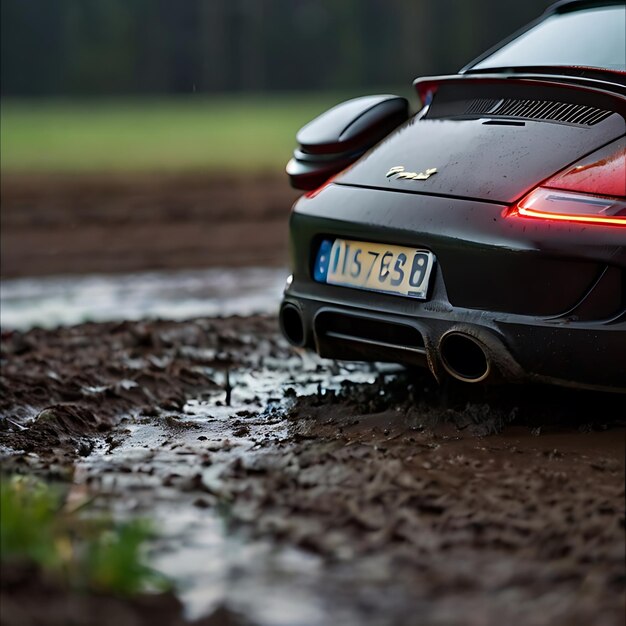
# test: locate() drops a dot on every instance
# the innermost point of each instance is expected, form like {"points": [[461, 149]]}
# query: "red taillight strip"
{"points": [[589, 192], [586, 219]]}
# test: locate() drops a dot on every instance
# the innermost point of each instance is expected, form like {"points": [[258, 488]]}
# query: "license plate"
{"points": [[375, 267]]}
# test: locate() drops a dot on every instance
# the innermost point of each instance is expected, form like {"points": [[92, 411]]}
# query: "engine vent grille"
{"points": [[538, 110]]}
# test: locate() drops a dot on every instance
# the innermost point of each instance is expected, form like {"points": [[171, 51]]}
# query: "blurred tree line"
{"points": [[97, 47]]}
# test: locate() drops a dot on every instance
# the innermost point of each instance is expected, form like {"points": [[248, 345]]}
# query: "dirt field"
{"points": [[291, 491], [286, 490], [116, 223]]}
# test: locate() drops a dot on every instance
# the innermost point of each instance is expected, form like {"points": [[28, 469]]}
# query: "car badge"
{"points": [[401, 174]]}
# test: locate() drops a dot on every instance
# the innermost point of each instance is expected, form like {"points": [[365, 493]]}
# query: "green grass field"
{"points": [[189, 133]]}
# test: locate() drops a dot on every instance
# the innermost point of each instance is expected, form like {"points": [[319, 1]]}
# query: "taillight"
{"points": [[592, 192], [552, 204]]}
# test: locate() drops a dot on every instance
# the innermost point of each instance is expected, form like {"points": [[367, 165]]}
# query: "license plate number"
{"points": [[375, 267]]}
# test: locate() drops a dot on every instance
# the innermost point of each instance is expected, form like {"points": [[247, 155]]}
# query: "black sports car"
{"points": [[484, 236]]}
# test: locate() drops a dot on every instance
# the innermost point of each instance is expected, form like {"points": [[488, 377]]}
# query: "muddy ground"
{"points": [[287, 490], [59, 224]]}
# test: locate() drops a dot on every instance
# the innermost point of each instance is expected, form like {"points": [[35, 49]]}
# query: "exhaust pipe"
{"points": [[464, 357], [292, 324]]}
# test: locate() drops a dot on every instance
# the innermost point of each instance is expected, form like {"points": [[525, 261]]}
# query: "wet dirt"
{"points": [[30, 599], [73, 381], [53, 301], [107, 223], [291, 490]]}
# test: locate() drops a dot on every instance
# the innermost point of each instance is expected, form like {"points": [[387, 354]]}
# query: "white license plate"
{"points": [[376, 267]]}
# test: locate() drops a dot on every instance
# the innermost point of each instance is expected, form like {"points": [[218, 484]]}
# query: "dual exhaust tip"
{"points": [[462, 355], [292, 324]]}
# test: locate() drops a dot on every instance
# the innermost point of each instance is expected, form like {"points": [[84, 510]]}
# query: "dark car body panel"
{"points": [[477, 158], [475, 247], [347, 126]]}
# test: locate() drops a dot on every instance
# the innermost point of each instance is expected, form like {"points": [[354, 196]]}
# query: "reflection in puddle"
{"points": [[66, 300]]}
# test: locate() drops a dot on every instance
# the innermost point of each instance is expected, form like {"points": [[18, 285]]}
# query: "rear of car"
{"points": [[486, 237]]}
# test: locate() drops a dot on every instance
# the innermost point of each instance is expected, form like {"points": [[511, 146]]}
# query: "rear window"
{"points": [[593, 38]]}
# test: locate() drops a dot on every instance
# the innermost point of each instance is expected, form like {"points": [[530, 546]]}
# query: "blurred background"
{"points": [[100, 48], [151, 135]]}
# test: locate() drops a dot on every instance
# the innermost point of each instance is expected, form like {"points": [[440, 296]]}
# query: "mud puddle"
{"points": [[175, 471], [61, 301], [290, 490]]}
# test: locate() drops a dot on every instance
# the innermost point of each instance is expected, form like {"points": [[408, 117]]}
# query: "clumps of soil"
{"points": [[447, 505], [62, 389], [59, 427], [440, 516], [481, 409]]}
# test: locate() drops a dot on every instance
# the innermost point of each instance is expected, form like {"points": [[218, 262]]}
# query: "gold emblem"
{"points": [[401, 174]]}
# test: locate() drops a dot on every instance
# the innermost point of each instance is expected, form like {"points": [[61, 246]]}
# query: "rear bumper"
{"points": [[560, 319], [579, 355]]}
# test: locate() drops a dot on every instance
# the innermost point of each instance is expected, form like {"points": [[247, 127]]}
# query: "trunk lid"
{"points": [[491, 139]]}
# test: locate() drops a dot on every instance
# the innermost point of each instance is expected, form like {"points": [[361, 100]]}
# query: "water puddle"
{"points": [[64, 300], [170, 472]]}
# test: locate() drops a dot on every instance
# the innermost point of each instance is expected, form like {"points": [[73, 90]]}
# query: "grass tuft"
{"points": [[88, 553]]}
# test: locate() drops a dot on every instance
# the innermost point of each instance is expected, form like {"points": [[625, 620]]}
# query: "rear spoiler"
{"points": [[606, 95]]}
